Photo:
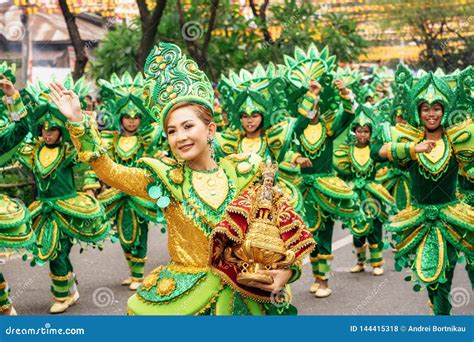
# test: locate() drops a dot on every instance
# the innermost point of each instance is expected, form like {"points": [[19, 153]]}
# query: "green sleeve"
{"points": [[91, 181], [374, 152], [296, 269], [307, 110], [345, 116]]}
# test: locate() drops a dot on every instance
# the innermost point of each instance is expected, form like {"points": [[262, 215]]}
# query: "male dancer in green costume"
{"points": [[353, 163], [59, 214], [15, 222], [326, 197], [431, 233], [132, 137]]}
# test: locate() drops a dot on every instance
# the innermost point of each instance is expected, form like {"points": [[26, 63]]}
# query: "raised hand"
{"points": [[315, 87], [341, 87], [67, 102], [7, 87]]}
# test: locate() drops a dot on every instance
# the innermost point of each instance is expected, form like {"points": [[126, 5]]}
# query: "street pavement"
{"points": [[100, 273]]}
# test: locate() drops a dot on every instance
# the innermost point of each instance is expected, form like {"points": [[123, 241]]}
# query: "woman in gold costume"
{"points": [[194, 194]]}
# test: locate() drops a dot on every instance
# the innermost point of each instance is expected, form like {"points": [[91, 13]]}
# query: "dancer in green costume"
{"points": [[324, 111], [432, 233], [60, 215], [258, 122], [354, 165], [130, 137], [194, 193], [15, 222]]}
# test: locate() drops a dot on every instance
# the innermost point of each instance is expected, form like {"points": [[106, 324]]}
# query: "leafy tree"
{"points": [[440, 30], [117, 52], [76, 41], [220, 38], [341, 35]]}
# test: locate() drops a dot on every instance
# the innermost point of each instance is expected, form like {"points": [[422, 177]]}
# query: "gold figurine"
{"points": [[262, 247]]}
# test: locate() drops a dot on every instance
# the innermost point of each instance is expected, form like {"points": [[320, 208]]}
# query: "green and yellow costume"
{"points": [[193, 201], [354, 165], [131, 214], [15, 221], [326, 196], [60, 215], [437, 227], [262, 92]]}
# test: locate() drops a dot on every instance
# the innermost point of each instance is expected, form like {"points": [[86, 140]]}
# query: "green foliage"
{"points": [[340, 34], [15, 177], [117, 52], [237, 42], [429, 23]]}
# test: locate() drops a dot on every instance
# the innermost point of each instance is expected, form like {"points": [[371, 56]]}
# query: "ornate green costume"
{"points": [[131, 214], [437, 227], [355, 166], [326, 196], [262, 92], [15, 221], [60, 215], [194, 202]]}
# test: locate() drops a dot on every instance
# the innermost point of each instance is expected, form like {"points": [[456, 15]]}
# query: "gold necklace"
{"points": [[212, 188]]}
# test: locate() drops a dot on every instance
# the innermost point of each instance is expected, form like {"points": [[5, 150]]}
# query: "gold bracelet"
{"points": [[389, 152], [412, 151], [76, 129]]}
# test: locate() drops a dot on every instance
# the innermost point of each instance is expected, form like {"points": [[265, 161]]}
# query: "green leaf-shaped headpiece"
{"points": [[311, 65], [171, 78], [43, 112], [123, 96], [452, 91], [262, 91], [8, 70]]}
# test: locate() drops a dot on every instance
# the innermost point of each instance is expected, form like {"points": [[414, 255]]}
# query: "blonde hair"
{"points": [[202, 112]]}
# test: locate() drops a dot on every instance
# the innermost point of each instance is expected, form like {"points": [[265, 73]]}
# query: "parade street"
{"points": [[100, 274]]}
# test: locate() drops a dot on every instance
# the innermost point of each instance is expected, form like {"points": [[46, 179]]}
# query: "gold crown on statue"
{"points": [[269, 170]]}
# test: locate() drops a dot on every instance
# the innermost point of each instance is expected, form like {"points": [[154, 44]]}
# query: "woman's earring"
{"points": [[210, 141]]}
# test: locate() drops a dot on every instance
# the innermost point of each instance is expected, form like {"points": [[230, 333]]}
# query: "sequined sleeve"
{"points": [[86, 138], [132, 180]]}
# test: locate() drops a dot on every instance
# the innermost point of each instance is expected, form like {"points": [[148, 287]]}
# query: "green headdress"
{"points": [[43, 112], [365, 91], [367, 115], [451, 91], [305, 66], [262, 91], [123, 96], [171, 78], [350, 77], [8, 70]]}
